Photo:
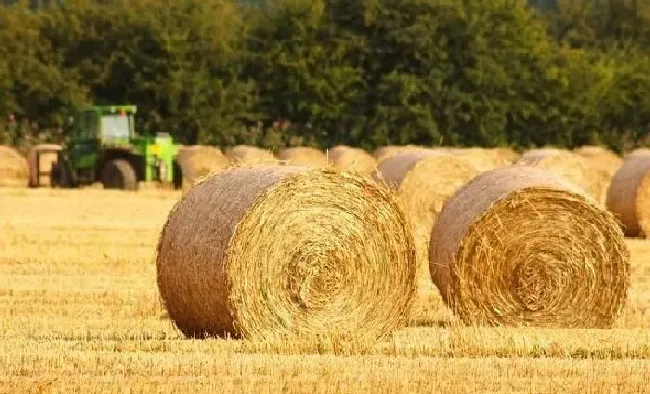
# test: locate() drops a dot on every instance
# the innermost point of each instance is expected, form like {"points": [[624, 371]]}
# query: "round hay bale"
{"points": [[267, 251], [196, 161], [603, 160], [629, 195], [521, 246], [353, 159], [14, 169], [303, 156], [636, 152], [484, 159], [41, 158], [572, 167], [386, 152], [424, 180], [250, 155]]}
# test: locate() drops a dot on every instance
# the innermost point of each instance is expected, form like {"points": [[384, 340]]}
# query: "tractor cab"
{"points": [[103, 146]]}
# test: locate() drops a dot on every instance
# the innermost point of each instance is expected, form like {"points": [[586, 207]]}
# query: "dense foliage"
{"points": [[324, 72]]}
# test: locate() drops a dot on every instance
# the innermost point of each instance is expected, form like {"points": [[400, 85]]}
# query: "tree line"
{"points": [[326, 72]]}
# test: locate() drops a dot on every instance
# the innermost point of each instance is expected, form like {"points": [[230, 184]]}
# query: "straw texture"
{"points": [[354, 159], [249, 155], [520, 246], [303, 156], [572, 167], [629, 195], [267, 251], [424, 180], [14, 169], [197, 161], [486, 159]]}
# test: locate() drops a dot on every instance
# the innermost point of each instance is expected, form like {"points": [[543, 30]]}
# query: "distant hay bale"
{"points": [[197, 161], [267, 251], [249, 155], [14, 169], [521, 246], [603, 160], [424, 180], [629, 195], [41, 158], [303, 156], [388, 151], [486, 159], [353, 159], [572, 167], [636, 152]]}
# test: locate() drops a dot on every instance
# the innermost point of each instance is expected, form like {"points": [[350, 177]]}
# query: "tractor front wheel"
{"points": [[119, 174]]}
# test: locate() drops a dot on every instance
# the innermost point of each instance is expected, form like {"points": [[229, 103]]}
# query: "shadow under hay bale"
{"points": [[520, 246], [424, 180], [270, 251], [629, 195], [14, 168]]}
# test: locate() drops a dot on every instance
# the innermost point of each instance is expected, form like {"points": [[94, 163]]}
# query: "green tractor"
{"points": [[102, 146]]}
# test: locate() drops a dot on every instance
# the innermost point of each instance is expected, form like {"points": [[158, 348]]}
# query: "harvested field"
{"points": [[80, 311]]}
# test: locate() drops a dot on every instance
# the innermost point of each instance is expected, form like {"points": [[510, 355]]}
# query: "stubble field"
{"points": [[80, 312]]}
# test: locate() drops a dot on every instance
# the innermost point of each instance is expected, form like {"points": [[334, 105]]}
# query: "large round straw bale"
{"points": [[424, 180], [197, 161], [571, 166], [41, 158], [354, 159], [267, 251], [248, 155], [388, 151], [303, 156], [14, 169], [629, 195], [486, 159], [636, 152], [523, 246]]}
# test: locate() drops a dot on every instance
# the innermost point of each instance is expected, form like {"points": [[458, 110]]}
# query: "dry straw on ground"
{"points": [[424, 180], [14, 169], [572, 167], [353, 159], [248, 155], [303, 156], [629, 195], [486, 159], [522, 246], [197, 161], [272, 251]]}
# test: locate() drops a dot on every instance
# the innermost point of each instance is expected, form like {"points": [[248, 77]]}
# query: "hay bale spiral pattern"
{"points": [[282, 250], [521, 246]]}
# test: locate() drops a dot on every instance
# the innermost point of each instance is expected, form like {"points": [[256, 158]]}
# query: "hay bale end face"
{"points": [[424, 180], [267, 251], [520, 246], [629, 195], [14, 168]]}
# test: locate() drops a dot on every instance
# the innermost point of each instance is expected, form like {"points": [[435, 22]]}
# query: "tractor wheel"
{"points": [[119, 174]]}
